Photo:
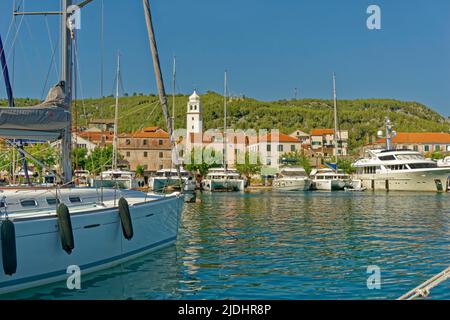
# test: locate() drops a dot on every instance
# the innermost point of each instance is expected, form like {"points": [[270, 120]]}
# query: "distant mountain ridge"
{"points": [[362, 117]]}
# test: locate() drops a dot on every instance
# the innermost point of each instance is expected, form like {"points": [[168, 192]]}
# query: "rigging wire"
{"points": [[51, 45], [52, 62], [79, 78], [16, 32]]}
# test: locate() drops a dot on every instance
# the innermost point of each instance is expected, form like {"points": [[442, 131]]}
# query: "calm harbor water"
{"points": [[298, 245]]}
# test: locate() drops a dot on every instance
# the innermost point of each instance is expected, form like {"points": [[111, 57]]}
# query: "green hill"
{"points": [[363, 118]]}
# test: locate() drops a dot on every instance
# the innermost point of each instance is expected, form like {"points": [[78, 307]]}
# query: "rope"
{"points": [[423, 290]]}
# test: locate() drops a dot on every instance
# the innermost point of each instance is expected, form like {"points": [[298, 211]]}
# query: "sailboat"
{"points": [[331, 179], [115, 177], [47, 231], [223, 179]]}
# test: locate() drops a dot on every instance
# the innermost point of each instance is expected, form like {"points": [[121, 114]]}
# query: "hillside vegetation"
{"points": [[363, 118]]}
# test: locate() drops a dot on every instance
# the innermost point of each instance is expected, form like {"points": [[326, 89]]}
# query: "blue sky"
{"points": [[269, 47]]}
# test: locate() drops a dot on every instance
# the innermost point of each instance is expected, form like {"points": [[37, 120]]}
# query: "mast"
{"points": [[116, 116], [158, 75], [156, 66], [102, 45], [67, 34], [336, 143], [173, 90], [174, 77], [225, 123], [66, 77]]}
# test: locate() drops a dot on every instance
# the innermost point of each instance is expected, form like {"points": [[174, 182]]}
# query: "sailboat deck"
{"points": [[35, 204]]}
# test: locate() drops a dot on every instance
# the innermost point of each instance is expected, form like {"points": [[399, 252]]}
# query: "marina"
{"points": [[224, 196]]}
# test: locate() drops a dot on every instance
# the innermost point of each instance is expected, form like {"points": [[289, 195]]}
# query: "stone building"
{"points": [[149, 148]]}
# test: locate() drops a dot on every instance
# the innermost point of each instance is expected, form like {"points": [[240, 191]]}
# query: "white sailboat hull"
{"points": [[99, 242]]}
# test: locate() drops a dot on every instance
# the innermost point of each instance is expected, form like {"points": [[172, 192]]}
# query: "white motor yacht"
{"points": [[219, 179], [292, 179], [118, 178], [400, 170], [329, 180], [165, 178]]}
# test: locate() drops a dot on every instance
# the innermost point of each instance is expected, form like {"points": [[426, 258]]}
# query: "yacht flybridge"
{"points": [[45, 230], [404, 170]]}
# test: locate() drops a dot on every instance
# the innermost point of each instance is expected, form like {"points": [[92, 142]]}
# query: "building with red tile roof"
{"points": [[149, 148], [324, 139], [419, 141]]}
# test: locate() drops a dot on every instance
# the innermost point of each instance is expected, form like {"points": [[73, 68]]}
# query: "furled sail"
{"points": [[45, 121]]}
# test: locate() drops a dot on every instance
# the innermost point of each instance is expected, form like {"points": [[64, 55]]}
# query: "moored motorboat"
{"points": [[168, 178], [292, 179], [329, 180], [220, 179], [116, 178]]}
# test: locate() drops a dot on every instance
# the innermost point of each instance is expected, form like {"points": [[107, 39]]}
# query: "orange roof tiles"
{"points": [[321, 132], [96, 136], [149, 132], [419, 137], [282, 138]]}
